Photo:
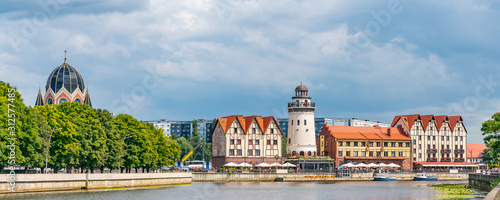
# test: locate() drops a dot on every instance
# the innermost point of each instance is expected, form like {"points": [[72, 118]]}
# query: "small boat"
{"points": [[423, 177], [383, 178]]}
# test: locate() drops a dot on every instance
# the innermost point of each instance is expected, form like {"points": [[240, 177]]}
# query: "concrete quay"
{"points": [[313, 177], [66, 182]]}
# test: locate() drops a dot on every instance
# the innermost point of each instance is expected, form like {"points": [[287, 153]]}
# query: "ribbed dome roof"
{"points": [[301, 88], [65, 76]]}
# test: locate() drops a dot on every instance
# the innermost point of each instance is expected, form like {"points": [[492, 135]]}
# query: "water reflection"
{"points": [[261, 191]]}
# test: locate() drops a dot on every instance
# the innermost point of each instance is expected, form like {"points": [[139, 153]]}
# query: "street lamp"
{"points": [[121, 151], [48, 146], [276, 162]]}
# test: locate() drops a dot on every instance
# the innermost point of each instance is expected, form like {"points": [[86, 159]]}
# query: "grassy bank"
{"points": [[455, 191]]}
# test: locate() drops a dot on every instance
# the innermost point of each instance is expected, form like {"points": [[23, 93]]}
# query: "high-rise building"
{"points": [[301, 131]]}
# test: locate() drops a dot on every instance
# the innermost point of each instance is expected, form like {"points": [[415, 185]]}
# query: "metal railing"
{"points": [[301, 104]]}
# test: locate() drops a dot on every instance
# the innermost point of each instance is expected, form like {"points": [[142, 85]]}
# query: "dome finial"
{"points": [[65, 57]]}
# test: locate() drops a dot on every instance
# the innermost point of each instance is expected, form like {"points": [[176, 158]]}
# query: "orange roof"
{"points": [[425, 119], [371, 133], [439, 121], [453, 121], [245, 122], [476, 149]]}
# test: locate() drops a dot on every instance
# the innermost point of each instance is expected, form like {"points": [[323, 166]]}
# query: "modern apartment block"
{"points": [[435, 138]]}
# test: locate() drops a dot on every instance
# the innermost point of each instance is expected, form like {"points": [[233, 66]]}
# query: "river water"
{"points": [[261, 191]]}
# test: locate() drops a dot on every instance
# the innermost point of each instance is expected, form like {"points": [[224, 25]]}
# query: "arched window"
{"points": [[298, 122], [309, 153], [78, 101], [301, 153], [50, 101], [294, 153], [62, 100], [305, 122], [289, 140]]}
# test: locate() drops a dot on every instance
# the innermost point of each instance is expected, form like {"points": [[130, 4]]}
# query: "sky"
{"points": [[191, 59]]}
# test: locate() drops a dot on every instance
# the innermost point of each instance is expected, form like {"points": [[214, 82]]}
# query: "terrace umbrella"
{"points": [[393, 165], [372, 165], [361, 165], [348, 165], [244, 164], [288, 165], [231, 164], [263, 165], [382, 165], [275, 164]]}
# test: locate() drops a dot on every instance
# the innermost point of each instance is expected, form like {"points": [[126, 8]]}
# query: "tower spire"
{"points": [[65, 57], [39, 98]]}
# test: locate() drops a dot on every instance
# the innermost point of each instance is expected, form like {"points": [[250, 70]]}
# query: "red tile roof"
{"points": [[439, 121], [476, 149], [245, 122], [425, 119], [409, 120], [371, 133]]}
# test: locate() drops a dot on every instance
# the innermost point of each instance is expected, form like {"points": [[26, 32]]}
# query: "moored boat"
{"points": [[383, 178], [423, 177]]}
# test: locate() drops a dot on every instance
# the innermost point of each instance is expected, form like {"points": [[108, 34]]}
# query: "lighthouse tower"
{"points": [[301, 132]]}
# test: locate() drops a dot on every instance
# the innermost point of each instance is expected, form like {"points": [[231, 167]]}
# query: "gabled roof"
{"points": [[439, 121], [425, 119], [476, 149], [371, 133], [87, 99], [245, 122], [39, 99], [453, 121]]}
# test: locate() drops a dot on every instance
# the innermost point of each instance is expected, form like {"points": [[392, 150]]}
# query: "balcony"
{"points": [[446, 159], [459, 160], [433, 159], [445, 151], [301, 105], [459, 151], [432, 150]]}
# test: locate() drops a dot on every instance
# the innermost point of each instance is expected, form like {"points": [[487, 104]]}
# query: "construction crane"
{"points": [[191, 152]]}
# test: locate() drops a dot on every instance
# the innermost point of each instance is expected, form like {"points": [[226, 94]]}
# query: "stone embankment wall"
{"points": [[305, 177], [62, 182]]}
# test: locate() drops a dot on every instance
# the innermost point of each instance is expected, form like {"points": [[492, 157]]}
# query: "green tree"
{"points": [[283, 146], [27, 141], [491, 130], [185, 146]]}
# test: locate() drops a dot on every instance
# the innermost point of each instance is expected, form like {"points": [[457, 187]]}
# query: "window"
{"points": [[433, 137], [419, 146], [393, 144], [257, 142], [78, 101], [461, 146], [370, 153], [355, 154], [400, 154], [231, 152], [292, 122], [348, 143], [442, 146], [378, 144], [253, 130], [235, 130], [272, 131], [363, 144], [238, 142], [456, 146], [250, 142], [461, 138], [414, 141], [386, 154], [386, 144], [257, 152], [447, 138], [340, 144], [231, 141], [400, 144], [442, 138], [428, 146], [347, 153], [275, 142], [363, 153], [49, 101], [289, 140], [393, 154], [433, 146], [62, 100], [239, 152], [414, 150], [355, 144], [429, 137], [456, 138], [298, 122], [370, 144], [305, 122], [407, 144], [419, 155], [250, 152], [268, 142], [340, 153], [447, 146], [419, 137]]}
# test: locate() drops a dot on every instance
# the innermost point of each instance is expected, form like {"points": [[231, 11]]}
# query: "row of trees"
{"points": [[87, 138]]}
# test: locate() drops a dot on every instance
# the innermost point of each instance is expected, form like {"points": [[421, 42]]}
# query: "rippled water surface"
{"points": [[261, 191]]}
